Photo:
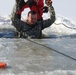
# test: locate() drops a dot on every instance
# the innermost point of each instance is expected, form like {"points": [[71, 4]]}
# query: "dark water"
{"points": [[7, 34]]}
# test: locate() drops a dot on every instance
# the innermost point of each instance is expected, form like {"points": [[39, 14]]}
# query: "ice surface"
{"points": [[27, 58]]}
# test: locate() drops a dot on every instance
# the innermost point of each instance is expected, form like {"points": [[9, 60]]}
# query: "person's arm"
{"points": [[16, 22], [21, 5], [51, 20]]}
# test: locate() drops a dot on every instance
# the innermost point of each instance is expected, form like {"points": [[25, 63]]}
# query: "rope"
{"points": [[64, 25], [52, 49]]}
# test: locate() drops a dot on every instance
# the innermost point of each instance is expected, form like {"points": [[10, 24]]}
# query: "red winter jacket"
{"points": [[37, 8]]}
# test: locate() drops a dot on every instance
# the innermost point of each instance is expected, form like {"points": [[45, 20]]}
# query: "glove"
{"points": [[45, 9], [17, 7], [21, 4], [48, 2], [18, 16], [18, 12]]}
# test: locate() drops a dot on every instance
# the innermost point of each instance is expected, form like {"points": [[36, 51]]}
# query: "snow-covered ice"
{"points": [[26, 58]]}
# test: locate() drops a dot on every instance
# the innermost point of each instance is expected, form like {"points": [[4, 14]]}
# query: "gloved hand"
{"points": [[20, 3], [48, 2], [45, 9], [17, 6], [18, 16]]}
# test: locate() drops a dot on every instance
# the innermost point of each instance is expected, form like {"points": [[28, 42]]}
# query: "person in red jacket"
{"points": [[34, 5]]}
